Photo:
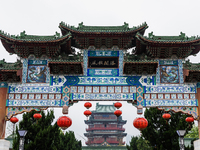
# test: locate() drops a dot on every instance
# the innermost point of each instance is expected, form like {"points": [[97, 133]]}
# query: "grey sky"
{"points": [[42, 17]]}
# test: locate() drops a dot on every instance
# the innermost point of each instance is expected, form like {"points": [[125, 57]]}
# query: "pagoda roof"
{"points": [[24, 45], [102, 29], [23, 37], [104, 108], [5, 66], [181, 39], [191, 66], [10, 71]]}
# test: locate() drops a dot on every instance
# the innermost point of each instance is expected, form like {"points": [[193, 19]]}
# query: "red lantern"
{"points": [[87, 113], [64, 122], [118, 105], [14, 120], [189, 119], [166, 116], [88, 105], [118, 113], [37, 116], [140, 123]]}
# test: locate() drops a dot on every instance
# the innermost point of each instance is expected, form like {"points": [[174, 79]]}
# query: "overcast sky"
{"points": [[42, 17]]}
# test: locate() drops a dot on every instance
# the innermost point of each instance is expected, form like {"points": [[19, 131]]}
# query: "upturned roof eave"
{"points": [[11, 39], [146, 40], [80, 31]]}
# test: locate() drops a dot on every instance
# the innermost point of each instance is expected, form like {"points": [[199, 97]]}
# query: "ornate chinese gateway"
{"points": [[154, 73]]}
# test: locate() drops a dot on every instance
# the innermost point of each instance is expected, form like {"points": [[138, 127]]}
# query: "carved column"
{"points": [[3, 96]]}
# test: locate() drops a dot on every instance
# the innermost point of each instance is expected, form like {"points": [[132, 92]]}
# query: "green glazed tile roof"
{"points": [[10, 66], [23, 37], [123, 28], [191, 67], [105, 108], [169, 39]]}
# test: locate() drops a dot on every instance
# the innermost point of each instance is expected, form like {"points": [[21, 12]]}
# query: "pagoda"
{"points": [[104, 128]]}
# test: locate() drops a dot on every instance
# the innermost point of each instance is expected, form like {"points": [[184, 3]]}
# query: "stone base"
{"points": [[197, 145], [4, 144]]}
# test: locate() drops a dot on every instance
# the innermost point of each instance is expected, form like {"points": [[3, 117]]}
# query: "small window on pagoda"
{"points": [[105, 125]]}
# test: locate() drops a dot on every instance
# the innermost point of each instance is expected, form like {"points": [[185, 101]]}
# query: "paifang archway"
{"points": [[51, 74]]}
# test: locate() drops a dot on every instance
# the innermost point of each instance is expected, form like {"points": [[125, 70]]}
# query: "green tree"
{"points": [[143, 144], [138, 143], [42, 135], [69, 142], [193, 133], [162, 135], [133, 145]]}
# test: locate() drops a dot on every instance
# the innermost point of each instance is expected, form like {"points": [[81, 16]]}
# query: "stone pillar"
{"points": [[3, 94], [197, 142]]}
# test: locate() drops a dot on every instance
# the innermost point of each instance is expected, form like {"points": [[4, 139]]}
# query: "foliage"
{"points": [[162, 135], [133, 145], [193, 133], [138, 143], [69, 142], [42, 135]]}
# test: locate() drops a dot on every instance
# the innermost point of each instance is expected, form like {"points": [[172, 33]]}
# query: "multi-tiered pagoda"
{"points": [[104, 128]]}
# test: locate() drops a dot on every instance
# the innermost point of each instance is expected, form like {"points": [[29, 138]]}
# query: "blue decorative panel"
{"points": [[24, 71], [103, 89], [156, 103], [168, 62], [80, 89], [85, 62], [34, 89], [96, 89], [103, 72], [187, 88], [121, 96], [180, 96], [33, 103], [169, 74], [100, 53], [126, 89], [24, 96], [37, 62], [121, 60], [102, 81], [31, 96], [186, 96], [160, 96], [167, 96], [111, 89], [11, 96], [180, 66], [3, 84], [88, 89], [36, 74]]}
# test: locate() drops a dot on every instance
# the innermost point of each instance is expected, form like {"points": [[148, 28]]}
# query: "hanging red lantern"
{"points": [[87, 113], [118, 113], [189, 119], [88, 105], [64, 122], [166, 116], [14, 120], [118, 105], [140, 123], [37, 116]]}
